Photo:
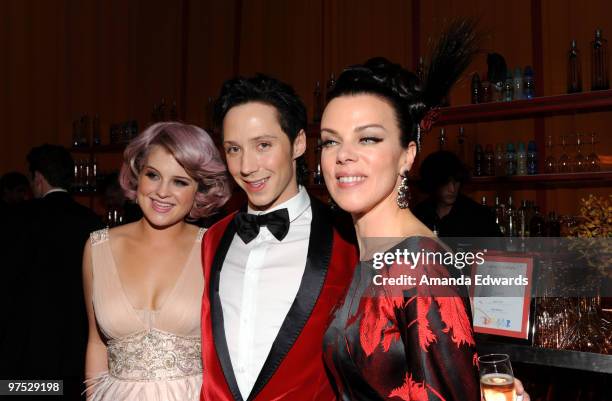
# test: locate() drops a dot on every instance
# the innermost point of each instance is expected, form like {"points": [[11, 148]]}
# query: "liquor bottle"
{"points": [[75, 133], [210, 111], [461, 145], [318, 103], [478, 161], [330, 86], [483, 201], [553, 227], [442, 138], [599, 63], [476, 88], [528, 83], [173, 112], [318, 176], [521, 160], [511, 226], [523, 223], [536, 225], [96, 140], [94, 175], [509, 88], [162, 110], [485, 90], [574, 70], [86, 176], [510, 159], [84, 131], [532, 158], [489, 163], [499, 212], [500, 160], [518, 84], [420, 70]]}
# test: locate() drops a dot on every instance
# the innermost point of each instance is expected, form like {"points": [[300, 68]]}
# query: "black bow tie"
{"points": [[247, 225]]}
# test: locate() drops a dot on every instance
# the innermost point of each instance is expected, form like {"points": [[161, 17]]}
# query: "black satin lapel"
{"points": [[317, 261], [216, 311]]}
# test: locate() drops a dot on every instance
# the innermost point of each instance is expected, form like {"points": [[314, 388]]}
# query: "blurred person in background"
{"points": [[447, 211], [44, 328]]}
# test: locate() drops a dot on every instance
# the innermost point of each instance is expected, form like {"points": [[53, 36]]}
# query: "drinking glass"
{"points": [[592, 158], [580, 161], [496, 378], [550, 164], [565, 163]]}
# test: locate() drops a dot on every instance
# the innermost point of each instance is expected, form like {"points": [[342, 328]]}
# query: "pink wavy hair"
{"points": [[194, 150]]}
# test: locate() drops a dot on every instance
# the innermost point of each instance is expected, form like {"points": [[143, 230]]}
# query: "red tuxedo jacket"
{"points": [[294, 369]]}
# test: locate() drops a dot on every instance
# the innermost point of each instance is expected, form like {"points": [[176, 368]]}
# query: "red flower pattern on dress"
{"points": [[413, 391], [378, 324], [454, 316]]}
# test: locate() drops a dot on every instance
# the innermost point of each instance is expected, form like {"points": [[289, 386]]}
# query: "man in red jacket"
{"points": [[276, 269]]}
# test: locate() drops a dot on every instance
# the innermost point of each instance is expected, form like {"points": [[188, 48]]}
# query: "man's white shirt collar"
{"points": [[295, 205]]}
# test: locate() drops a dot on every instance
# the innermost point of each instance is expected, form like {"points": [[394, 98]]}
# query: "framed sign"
{"points": [[501, 296]]}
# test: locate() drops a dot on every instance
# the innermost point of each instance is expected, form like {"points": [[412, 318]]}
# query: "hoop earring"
{"points": [[403, 193]]}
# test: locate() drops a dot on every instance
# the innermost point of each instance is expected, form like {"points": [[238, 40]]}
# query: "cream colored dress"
{"points": [[152, 355]]}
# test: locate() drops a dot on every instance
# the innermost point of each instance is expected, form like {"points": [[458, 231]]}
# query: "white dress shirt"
{"points": [[258, 284]]}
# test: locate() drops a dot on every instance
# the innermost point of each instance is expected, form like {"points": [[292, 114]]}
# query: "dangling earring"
{"points": [[403, 193]]}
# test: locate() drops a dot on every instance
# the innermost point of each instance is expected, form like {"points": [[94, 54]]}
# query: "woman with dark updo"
{"points": [[390, 339]]}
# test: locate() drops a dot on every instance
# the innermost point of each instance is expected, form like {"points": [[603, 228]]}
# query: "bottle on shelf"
{"points": [[511, 226], [536, 225], [510, 159], [500, 218], [508, 87], [574, 70], [96, 140], [420, 70], [485, 90], [442, 138], [84, 130], [330, 85], [518, 84], [210, 111], [75, 133], [483, 201], [599, 63], [461, 145], [173, 111], [523, 223], [532, 158], [489, 161], [476, 88], [500, 160], [521, 160], [528, 83], [478, 161], [318, 103], [552, 226], [94, 175]]}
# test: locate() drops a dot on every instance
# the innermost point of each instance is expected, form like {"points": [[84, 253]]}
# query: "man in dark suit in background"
{"points": [[44, 325]]}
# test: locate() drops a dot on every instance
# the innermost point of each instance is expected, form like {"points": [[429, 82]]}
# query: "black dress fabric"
{"points": [[389, 344]]}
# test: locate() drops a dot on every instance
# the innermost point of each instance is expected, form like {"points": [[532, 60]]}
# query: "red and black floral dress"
{"points": [[385, 344]]}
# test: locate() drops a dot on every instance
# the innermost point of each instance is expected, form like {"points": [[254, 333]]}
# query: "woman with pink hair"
{"points": [[143, 281]]}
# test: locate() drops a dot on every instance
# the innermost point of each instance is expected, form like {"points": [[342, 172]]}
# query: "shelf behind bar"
{"points": [[546, 180], [518, 109], [586, 361], [110, 148]]}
